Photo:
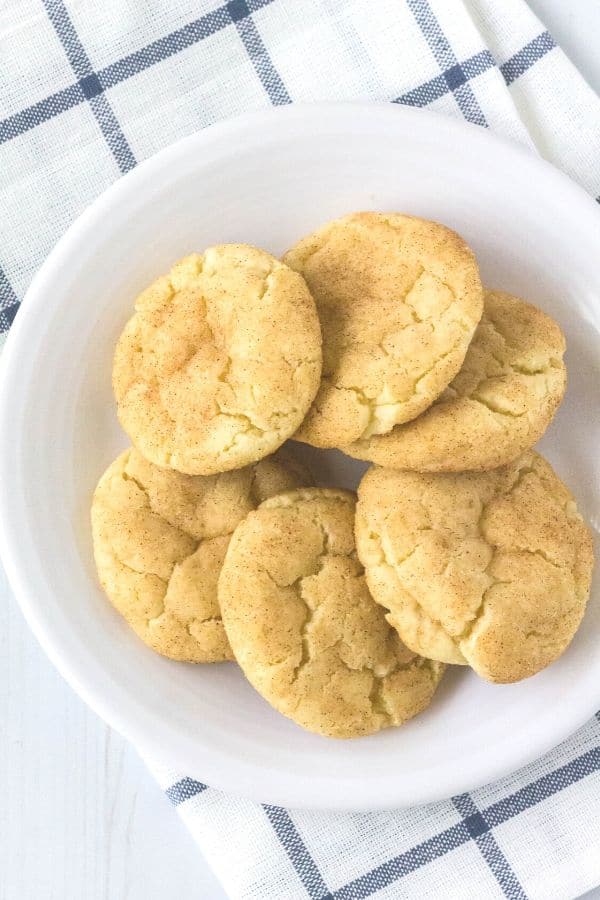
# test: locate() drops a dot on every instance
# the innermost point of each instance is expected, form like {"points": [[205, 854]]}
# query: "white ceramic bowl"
{"points": [[268, 179]]}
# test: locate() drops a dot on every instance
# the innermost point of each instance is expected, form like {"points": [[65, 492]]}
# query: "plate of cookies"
{"points": [[299, 481]]}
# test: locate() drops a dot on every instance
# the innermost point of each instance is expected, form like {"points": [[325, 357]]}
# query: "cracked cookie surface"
{"points": [[500, 403], [399, 299], [220, 362], [303, 626], [160, 539], [490, 569]]}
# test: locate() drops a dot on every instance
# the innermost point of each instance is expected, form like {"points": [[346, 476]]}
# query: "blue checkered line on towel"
{"points": [[88, 90], [534, 834]]}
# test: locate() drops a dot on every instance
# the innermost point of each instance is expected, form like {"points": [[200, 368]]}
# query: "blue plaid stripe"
{"points": [[90, 85], [297, 853], [9, 303], [454, 78], [449, 80], [476, 825], [447, 61], [283, 827], [165, 47], [402, 865], [479, 829], [112, 132], [518, 64], [7, 295], [544, 787], [256, 50], [40, 112], [184, 789]]}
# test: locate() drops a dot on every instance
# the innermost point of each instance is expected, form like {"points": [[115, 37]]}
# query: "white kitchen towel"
{"points": [[87, 90]]}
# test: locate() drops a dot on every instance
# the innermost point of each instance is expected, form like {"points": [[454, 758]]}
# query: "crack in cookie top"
{"points": [[491, 569], [160, 539], [220, 362], [501, 402], [305, 629], [399, 299]]}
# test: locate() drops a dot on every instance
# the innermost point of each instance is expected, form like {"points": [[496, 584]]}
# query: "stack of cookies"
{"points": [[373, 336]]}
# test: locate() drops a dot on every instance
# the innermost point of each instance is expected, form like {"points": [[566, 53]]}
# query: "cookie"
{"points": [[220, 362], [500, 403], [160, 539], [490, 569], [304, 627], [399, 299]]}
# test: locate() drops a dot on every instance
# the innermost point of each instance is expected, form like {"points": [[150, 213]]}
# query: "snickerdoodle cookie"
{"points": [[399, 299], [160, 539], [303, 626], [220, 362], [490, 569], [500, 403]]}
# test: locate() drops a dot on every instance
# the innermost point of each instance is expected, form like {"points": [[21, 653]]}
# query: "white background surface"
{"points": [[80, 818]]}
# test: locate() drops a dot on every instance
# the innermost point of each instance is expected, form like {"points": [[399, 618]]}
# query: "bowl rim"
{"points": [[38, 311]]}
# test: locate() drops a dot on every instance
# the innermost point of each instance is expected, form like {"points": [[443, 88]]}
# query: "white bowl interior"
{"points": [[268, 180]]}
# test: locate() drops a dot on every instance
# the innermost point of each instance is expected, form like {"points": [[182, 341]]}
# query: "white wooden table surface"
{"points": [[80, 817]]}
